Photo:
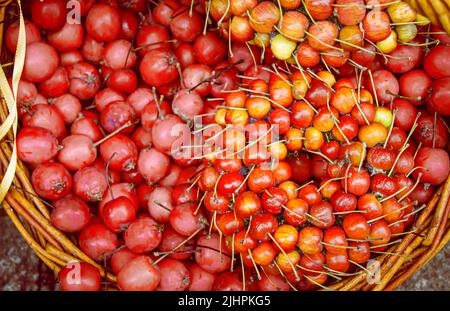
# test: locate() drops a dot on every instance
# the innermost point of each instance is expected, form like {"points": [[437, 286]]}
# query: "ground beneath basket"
{"points": [[20, 269]]}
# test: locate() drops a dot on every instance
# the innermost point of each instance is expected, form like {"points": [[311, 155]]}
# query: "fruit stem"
{"points": [[434, 129], [191, 8], [373, 87], [412, 189], [397, 158], [252, 91], [143, 46], [108, 183], [208, 10], [254, 264], [307, 13], [324, 43], [300, 68], [394, 194], [404, 97], [363, 156], [386, 244], [243, 272], [245, 179], [319, 272], [311, 280], [225, 13], [320, 154], [359, 108], [370, 7], [155, 99], [181, 244], [128, 124], [303, 186], [390, 129], [200, 203], [232, 252], [297, 277], [284, 276], [272, 101], [252, 55]]}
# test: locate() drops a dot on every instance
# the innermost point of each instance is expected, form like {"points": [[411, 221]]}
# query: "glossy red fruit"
{"points": [[41, 62], [120, 152], [47, 117], [357, 181], [273, 199], [209, 49], [309, 240], [343, 201], [429, 134], [335, 241], [404, 58], [103, 23], [174, 275], [116, 190], [356, 226], [229, 223], [32, 34], [208, 255], [70, 214], [118, 214], [201, 280], [436, 62], [160, 204], [415, 85], [385, 84], [36, 145], [79, 276], [140, 274], [119, 54], [440, 96], [322, 215], [380, 233], [262, 225], [380, 158], [158, 67], [85, 81], [51, 181], [68, 38], [120, 258], [272, 283], [170, 244], [435, 163], [152, 164], [143, 235], [185, 220], [49, 14], [77, 151], [301, 167], [186, 27], [247, 204], [89, 183], [97, 241]]}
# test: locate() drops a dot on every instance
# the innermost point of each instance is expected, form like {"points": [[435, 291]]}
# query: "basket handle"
{"points": [[10, 96]]}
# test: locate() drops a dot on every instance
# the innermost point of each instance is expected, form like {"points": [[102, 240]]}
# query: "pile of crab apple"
{"points": [[230, 144]]}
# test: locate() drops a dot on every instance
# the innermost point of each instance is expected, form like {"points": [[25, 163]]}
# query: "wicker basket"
{"points": [[30, 215], [430, 9]]}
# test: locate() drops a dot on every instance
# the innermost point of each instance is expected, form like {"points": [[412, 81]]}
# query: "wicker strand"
{"points": [[32, 219], [19, 210], [440, 215], [419, 264]]}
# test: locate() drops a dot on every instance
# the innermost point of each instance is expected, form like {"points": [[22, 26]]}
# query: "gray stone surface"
{"points": [[20, 269], [434, 276]]}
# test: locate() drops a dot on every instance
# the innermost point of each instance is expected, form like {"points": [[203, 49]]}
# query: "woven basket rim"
{"points": [[31, 217]]}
